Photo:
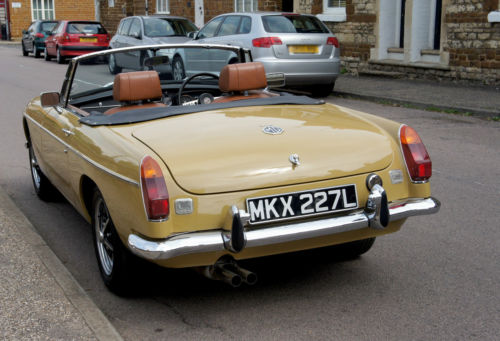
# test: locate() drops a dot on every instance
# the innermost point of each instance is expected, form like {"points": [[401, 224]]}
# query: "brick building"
{"points": [[23, 12]]}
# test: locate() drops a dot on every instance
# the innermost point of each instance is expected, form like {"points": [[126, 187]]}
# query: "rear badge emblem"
{"points": [[294, 159], [272, 130]]}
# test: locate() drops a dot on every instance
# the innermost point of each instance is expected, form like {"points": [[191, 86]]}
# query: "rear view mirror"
{"points": [[275, 80], [49, 99], [192, 35]]}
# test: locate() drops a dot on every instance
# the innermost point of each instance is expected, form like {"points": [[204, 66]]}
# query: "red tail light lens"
{"points": [[39, 35], [332, 41], [417, 159], [154, 190], [266, 42], [66, 37]]}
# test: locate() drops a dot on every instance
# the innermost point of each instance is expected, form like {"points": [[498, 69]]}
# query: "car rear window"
{"points": [[47, 26], [293, 24], [85, 27]]}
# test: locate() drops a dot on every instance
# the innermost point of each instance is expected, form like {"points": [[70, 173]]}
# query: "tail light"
{"points": [[266, 42], [39, 35], [332, 41], [417, 159], [154, 190], [65, 37]]}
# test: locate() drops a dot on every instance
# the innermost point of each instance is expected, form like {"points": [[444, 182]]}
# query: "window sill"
{"points": [[494, 16], [332, 17]]}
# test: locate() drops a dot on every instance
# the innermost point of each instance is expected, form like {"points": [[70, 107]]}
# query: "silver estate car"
{"points": [[299, 46]]}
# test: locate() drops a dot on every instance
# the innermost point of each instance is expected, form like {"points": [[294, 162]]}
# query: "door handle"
{"points": [[68, 132]]}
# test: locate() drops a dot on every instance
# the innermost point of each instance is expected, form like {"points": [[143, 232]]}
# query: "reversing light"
{"points": [[417, 159], [332, 41], [154, 190], [266, 42]]}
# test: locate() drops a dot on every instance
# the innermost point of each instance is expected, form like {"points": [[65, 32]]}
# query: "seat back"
{"points": [[242, 77], [133, 87]]}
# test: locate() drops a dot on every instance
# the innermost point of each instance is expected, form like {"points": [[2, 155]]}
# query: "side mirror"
{"points": [[192, 34], [136, 35], [49, 99]]}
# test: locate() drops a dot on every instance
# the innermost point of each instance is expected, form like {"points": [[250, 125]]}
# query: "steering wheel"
{"points": [[189, 79]]}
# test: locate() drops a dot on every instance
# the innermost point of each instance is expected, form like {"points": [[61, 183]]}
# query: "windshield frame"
{"points": [[244, 56]]}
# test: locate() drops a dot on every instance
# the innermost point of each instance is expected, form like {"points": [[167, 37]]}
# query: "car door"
{"points": [[55, 145], [27, 38], [50, 42], [197, 59]]}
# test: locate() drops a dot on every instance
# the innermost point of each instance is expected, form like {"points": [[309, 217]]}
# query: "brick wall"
{"points": [[183, 8], [20, 18]]}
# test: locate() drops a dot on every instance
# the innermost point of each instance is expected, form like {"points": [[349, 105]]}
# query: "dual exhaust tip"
{"points": [[228, 271]]}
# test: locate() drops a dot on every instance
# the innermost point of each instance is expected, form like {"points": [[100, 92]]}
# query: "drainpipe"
{"points": [[97, 4], [7, 22], [146, 7]]}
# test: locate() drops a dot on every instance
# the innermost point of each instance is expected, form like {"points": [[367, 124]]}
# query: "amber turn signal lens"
{"points": [[417, 159]]}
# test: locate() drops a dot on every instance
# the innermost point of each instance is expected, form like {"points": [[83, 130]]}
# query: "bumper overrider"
{"points": [[234, 237]]}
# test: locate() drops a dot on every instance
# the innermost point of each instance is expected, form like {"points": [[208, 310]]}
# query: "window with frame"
{"points": [[162, 7], [333, 10], [42, 9], [246, 5]]}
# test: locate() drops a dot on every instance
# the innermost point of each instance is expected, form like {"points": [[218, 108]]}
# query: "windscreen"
{"points": [[163, 27], [85, 28], [47, 26]]}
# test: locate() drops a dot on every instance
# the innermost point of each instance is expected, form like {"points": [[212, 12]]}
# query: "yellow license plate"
{"points": [[303, 49], [88, 40]]}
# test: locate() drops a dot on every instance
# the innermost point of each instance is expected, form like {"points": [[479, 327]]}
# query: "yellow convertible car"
{"points": [[213, 168]]}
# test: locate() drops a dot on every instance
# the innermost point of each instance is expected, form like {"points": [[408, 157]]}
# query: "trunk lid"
{"points": [[227, 150]]}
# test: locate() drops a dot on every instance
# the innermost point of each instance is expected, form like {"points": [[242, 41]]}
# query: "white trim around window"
{"points": [[333, 10], [246, 5], [162, 7], [43, 10]]}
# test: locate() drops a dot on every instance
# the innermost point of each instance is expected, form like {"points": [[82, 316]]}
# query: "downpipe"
{"points": [[230, 272]]}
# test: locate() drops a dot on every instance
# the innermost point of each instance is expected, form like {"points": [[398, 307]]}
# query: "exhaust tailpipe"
{"points": [[229, 272]]}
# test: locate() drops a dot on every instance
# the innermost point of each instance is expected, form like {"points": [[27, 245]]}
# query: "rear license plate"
{"points": [[300, 204], [295, 49], [88, 40]]}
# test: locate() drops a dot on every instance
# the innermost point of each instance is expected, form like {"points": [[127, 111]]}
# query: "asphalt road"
{"points": [[438, 278]]}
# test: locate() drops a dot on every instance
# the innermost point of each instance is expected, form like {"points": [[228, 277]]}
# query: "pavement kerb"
{"points": [[91, 314], [419, 105]]}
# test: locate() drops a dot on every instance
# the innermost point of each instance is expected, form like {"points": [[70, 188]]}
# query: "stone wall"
{"points": [[470, 45]]}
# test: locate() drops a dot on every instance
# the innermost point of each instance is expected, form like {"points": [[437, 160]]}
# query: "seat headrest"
{"points": [[242, 77], [136, 86]]}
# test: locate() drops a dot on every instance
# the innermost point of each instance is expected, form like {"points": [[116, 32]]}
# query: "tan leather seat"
{"points": [[134, 88], [241, 78]]}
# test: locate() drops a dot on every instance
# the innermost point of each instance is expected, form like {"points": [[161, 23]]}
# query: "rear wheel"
{"points": [[323, 90], [353, 249], [60, 59], [43, 188], [46, 54], [115, 261]]}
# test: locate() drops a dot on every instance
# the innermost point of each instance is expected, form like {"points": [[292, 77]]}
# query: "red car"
{"points": [[74, 38]]}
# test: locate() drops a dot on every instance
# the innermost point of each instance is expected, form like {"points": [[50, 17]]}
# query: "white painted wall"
{"points": [[199, 12]]}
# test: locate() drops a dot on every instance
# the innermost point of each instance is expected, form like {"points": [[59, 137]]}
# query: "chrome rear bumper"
{"points": [[219, 240]]}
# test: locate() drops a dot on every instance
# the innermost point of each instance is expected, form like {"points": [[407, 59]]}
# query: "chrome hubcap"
{"points": [[177, 70], [102, 222], [34, 171]]}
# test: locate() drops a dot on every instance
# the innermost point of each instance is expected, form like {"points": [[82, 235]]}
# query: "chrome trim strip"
{"points": [[84, 157], [212, 241]]}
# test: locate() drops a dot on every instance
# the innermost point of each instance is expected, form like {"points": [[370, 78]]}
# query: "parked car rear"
{"points": [[74, 38], [298, 45], [33, 39]]}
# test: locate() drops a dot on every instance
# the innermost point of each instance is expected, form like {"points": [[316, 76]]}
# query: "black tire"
{"points": [[43, 187], [113, 67], [116, 263], [46, 54], [353, 249], [323, 90], [25, 53], [60, 59], [37, 52], [178, 72]]}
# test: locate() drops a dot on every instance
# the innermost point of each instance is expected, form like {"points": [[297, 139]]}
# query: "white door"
{"points": [[198, 13]]}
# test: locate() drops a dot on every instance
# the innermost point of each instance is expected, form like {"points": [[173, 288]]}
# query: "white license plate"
{"points": [[300, 204]]}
